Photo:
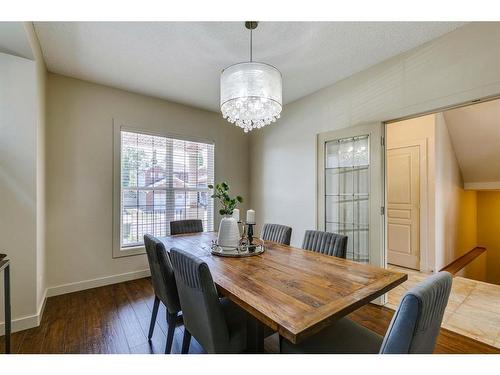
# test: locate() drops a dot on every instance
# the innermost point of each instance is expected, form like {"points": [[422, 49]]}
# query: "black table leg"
{"points": [[255, 336], [6, 278]]}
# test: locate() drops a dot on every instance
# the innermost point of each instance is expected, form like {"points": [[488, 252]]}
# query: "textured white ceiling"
{"points": [[475, 134], [181, 61]]}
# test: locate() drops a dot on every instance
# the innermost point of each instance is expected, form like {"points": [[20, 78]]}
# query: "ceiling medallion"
{"points": [[251, 92]]}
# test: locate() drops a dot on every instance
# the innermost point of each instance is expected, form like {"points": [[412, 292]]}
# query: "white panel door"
{"points": [[403, 206]]}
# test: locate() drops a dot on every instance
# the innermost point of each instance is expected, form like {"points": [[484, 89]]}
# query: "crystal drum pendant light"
{"points": [[250, 92]]}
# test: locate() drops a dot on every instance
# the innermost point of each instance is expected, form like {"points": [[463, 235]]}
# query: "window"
{"points": [[162, 179], [347, 193]]}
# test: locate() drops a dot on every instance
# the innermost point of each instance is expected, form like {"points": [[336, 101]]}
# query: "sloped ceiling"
{"points": [[182, 61], [14, 40], [475, 134]]}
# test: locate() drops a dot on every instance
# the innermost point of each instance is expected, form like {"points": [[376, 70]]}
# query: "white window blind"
{"points": [[163, 179]]}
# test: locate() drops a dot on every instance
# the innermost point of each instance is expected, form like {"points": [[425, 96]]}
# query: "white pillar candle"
{"points": [[250, 217], [236, 214]]}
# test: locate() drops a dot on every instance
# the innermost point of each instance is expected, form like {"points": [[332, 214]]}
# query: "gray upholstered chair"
{"points": [[277, 233], [217, 324], [186, 226], [325, 243], [162, 276], [413, 330]]}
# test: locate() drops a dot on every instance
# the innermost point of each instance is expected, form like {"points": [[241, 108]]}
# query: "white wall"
{"points": [[79, 173], [460, 66]]}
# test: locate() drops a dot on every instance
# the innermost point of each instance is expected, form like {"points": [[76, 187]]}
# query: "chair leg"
{"points": [[280, 343], [153, 317], [172, 321], [255, 336], [186, 341]]}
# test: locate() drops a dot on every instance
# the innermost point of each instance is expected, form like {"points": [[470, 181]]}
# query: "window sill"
{"points": [[129, 251]]}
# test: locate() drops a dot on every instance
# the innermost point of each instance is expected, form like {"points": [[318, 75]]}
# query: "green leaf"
{"points": [[221, 192]]}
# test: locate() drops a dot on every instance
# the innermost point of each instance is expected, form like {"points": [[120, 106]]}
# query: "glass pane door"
{"points": [[347, 193]]}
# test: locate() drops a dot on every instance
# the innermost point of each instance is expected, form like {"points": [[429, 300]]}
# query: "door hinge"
{"points": [[382, 141], [382, 210]]}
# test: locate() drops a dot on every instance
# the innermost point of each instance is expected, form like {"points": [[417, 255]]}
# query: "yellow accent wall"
{"points": [[488, 224]]}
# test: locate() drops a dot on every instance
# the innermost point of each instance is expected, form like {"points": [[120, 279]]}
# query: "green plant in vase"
{"points": [[221, 192], [229, 233]]}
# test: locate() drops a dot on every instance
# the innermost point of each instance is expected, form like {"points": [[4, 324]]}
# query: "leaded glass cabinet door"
{"points": [[350, 190]]}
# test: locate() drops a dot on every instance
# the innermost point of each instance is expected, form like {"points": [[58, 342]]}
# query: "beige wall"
{"points": [[22, 170], [488, 220], [41, 77], [459, 66], [18, 115], [79, 172], [416, 130], [456, 211]]}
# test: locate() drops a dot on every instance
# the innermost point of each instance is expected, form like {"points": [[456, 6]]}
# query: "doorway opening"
{"points": [[410, 161], [443, 210]]}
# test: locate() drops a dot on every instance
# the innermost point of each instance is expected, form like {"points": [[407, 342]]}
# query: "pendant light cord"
{"points": [[250, 25], [251, 40]]}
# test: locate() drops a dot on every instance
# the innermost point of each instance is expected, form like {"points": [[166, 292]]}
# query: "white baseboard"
{"points": [[41, 308], [28, 321], [95, 283], [21, 324]]}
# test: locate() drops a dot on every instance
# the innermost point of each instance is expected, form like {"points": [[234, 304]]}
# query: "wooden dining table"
{"points": [[294, 292]]}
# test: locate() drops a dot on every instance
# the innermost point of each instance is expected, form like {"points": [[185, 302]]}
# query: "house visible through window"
{"points": [[163, 179]]}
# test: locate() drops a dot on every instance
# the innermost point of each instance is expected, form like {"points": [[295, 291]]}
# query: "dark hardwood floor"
{"points": [[115, 319], [110, 319]]}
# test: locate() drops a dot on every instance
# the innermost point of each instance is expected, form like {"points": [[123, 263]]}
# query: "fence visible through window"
{"points": [[163, 179]]}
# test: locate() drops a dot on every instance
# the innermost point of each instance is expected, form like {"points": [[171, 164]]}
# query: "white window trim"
{"points": [[118, 126]]}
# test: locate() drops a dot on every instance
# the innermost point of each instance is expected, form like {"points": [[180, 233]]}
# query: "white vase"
{"points": [[229, 232]]}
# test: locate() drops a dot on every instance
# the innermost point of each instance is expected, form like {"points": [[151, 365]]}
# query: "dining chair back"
{"points": [[413, 330], [164, 286], [277, 233], [217, 325], [325, 243], [162, 273], [415, 325], [186, 226]]}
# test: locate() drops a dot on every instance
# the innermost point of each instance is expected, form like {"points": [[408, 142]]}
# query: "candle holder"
{"points": [[251, 246], [247, 236]]}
